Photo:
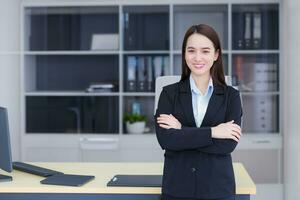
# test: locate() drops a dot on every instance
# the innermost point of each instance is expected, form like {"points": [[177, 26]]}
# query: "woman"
{"points": [[198, 123]]}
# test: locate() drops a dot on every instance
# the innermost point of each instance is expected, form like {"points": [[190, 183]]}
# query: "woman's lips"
{"points": [[199, 66]]}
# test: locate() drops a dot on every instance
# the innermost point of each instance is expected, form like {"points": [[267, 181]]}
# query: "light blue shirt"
{"points": [[199, 100]]}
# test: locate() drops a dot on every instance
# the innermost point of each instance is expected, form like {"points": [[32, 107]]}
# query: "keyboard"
{"points": [[32, 169]]}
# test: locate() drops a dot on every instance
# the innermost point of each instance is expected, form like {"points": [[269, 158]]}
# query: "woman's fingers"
{"points": [[164, 126], [236, 130], [168, 121], [234, 138], [235, 134], [237, 126]]}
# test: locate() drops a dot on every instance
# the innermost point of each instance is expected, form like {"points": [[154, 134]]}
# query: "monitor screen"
{"points": [[5, 151]]}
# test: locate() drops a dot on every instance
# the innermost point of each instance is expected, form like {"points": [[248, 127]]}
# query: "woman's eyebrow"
{"points": [[191, 47]]}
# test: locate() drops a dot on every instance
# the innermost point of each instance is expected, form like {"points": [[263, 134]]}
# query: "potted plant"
{"points": [[135, 123]]}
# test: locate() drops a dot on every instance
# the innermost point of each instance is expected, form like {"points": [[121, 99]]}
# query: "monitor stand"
{"points": [[4, 178]]}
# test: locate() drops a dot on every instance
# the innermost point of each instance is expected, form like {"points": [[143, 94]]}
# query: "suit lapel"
{"points": [[186, 102], [214, 104]]}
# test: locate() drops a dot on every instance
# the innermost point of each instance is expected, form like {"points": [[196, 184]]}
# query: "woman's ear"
{"points": [[216, 55]]}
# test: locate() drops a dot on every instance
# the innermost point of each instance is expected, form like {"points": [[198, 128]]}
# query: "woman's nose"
{"points": [[198, 56]]}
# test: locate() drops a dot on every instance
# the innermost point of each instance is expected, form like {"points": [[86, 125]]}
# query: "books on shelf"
{"points": [[141, 78], [150, 76], [248, 30], [143, 70], [239, 35], [131, 73], [257, 30]]}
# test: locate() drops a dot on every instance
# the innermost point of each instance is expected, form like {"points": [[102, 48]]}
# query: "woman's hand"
{"points": [[168, 121], [228, 130]]}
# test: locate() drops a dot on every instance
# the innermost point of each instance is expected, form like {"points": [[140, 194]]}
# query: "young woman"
{"points": [[198, 123]]}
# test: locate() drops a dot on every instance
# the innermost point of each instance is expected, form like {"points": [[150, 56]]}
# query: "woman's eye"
{"points": [[190, 51], [205, 51]]}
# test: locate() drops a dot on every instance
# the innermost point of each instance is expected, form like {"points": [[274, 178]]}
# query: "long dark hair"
{"points": [[216, 71]]}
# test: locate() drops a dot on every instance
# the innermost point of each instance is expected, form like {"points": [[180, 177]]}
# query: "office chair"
{"points": [[162, 81]]}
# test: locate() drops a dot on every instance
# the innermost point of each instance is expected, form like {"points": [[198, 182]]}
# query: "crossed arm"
{"points": [[221, 139]]}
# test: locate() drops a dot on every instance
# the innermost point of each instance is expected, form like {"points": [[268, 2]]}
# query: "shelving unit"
{"points": [[62, 56]]}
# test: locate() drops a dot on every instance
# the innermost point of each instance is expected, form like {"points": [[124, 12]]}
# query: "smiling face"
{"points": [[200, 55]]}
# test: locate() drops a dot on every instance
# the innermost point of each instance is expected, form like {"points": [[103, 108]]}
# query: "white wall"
{"points": [[10, 68], [292, 134]]}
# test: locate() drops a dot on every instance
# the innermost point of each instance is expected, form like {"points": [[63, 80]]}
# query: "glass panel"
{"points": [[146, 27], [260, 114], [255, 26], [225, 63], [57, 114], [71, 28], [214, 15], [141, 71], [142, 105], [178, 63], [71, 72], [256, 73]]}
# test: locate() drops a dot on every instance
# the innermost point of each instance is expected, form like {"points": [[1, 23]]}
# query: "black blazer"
{"points": [[196, 165]]}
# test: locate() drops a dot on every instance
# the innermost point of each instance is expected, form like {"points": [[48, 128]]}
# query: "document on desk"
{"points": [[67, 180], [136, 181]]}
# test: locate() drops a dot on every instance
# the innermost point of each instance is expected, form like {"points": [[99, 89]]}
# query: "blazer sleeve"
{"points": [[179, 139], [234, 112]]}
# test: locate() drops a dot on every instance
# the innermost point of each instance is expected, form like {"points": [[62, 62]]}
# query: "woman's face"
{"points": [[200, 54]]}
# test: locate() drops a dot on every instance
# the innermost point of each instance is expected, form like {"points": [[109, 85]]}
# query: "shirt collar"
{"points": [[195, 90]]}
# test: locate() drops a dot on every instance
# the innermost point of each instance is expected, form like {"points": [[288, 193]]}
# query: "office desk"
{"points": [[27, 186]]}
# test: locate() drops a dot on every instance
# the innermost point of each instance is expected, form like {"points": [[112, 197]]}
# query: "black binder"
{"points": [[136, 181], [67, 179]]}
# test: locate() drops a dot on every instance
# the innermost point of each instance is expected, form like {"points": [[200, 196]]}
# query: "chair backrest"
{"points": [[162, 81]]}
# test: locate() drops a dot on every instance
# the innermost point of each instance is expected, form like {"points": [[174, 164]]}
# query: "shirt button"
{"points": [[193, 169]]}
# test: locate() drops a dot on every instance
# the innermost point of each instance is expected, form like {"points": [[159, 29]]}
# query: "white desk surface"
{"points": [[103, 172]]}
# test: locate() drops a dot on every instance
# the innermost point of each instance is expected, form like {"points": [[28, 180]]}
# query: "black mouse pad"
{"points": [[67, 179], [136, 181]]}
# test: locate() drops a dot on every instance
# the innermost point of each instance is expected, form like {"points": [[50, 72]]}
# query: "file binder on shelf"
{"points": [[238, 30], [248, 30], [141, 74], [166, 65], [257, 31], [131, 74], [149, 74], [158, 66]]}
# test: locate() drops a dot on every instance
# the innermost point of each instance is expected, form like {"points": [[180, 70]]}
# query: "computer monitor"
{"points": [[5, 151]]}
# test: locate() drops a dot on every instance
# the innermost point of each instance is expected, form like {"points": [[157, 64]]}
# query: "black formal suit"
{"points": [[197, 165]]}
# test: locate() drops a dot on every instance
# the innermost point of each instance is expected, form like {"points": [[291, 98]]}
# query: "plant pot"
{"points": [[136, 127]]}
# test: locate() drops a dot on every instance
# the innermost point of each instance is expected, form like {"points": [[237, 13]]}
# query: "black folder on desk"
{"points": [[136, 181], [67, 179]]}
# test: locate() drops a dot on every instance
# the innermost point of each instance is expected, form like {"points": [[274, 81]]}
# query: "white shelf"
{"points": [[258, 51], [142, 94], [260, 141], [69, 93], [71, 53], [145, 52], [131, 144], [260, 93]]}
